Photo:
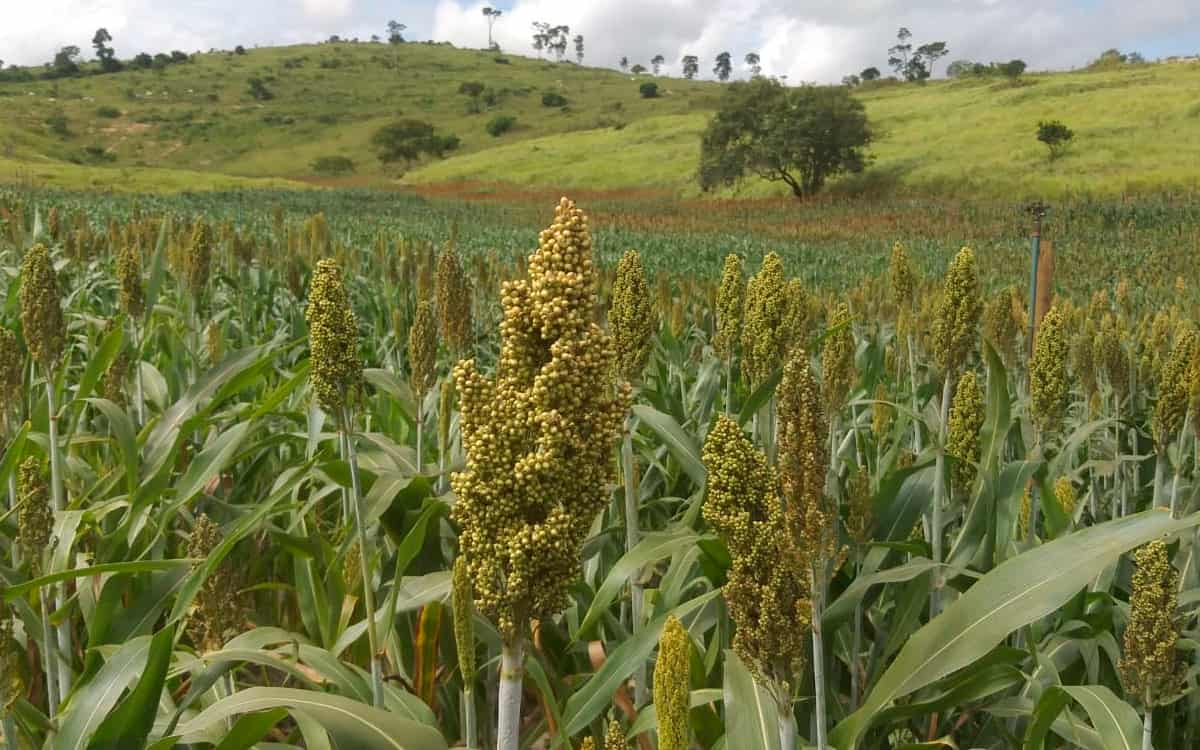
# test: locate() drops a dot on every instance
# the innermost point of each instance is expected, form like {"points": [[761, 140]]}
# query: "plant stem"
{"points": [[1160, 475], [729, 385], [512, 673], [1148, 729], [631, 540], [939, 492], [857, 643], [56, 486], [772, 447], [420, 432], [912, 377], [49, 647], [10, 733], [140, 398], [12, 506], [787, 727], [470, 721], [818, 661], [364, 556]]}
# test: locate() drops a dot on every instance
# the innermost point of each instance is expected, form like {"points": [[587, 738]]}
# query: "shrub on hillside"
{"points": [[257, 88], [553, 99], [648, 90], [108, 113], [332, 166], [407, 140], [1056, 135], [500, 124]]}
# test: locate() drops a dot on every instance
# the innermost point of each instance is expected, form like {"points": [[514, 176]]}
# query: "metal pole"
{"points": [[1038, 209]]}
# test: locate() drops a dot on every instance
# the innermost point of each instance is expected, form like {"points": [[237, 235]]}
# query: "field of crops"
{"points": [[376, 470]]}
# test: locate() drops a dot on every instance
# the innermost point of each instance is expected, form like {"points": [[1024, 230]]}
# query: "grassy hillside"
{"points": [[1137, 127]]}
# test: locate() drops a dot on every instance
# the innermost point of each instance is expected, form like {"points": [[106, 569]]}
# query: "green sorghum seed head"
{"points": [[41, 308], [1000, 327], [902, 278], [731, 297], [956, 328], [1083, 359], [464, 629], [538, 435], [860, 516], [672, 686], [352, 567], [454, 295], [796, 319], [198, 257], [1150, 668], [837, 360], [1110, 355], [1174, 390], [614, 738], [587, 743], [333, 339], [12, 686], [1049, 386], [217, 610], [35, 522], [214, 342], [631, 318], [114, 378], [882, 413], [763, 335], [767, 590], [422, 349], [966, 420], [129, 280], [12, 373], [1064, 493]]}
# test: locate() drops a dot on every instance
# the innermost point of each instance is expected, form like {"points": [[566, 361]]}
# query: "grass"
{"points": [[1137, 127]]}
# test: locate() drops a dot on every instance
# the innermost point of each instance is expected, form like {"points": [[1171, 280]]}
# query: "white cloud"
{"points": [[327, 8]]}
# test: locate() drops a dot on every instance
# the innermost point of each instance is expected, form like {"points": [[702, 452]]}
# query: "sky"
{"points": [[808, 40]]}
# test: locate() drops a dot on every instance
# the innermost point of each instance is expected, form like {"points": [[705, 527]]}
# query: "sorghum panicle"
{"points": [[1174, 388], [538, 436], [958, 314], [333, 339], [1150, 667], [1000, 327], [463, 603], [763, 335], [631, 318], [902, 279], [1049, 386], [614, 739], [129, 280], [966, 420], [1064, 493], [767, 590], [796, 322], [217, 611], [837, 360], [41, 308], [422, 349], [35, 522], [12, 374], [731, 297], [12, 686], [198, 258], [454, 296], [1110, 356], [672, 687]]}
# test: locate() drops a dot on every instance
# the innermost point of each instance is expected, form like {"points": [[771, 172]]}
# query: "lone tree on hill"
{"points": [[491, 14], [578, 48], [691, 66], [800, 136], [1056, 136], [656, 63], [407, 140], [723, 67], [753, 62], [105, 53]]}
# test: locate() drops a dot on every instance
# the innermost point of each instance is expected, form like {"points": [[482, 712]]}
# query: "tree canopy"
{"points": [[800, 136]]}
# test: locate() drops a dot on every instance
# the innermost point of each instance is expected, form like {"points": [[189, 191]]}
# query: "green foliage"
{"points": [[648, 90], [500, 124], [800, 136], [107, 112], [257, 88], [332, 166], [408, 140], [1056, 136], [553, 99]]}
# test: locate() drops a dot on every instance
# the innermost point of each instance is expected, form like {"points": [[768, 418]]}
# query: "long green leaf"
{"points": [[94, 699], [679, 443], [751, 714], [130, 724]]}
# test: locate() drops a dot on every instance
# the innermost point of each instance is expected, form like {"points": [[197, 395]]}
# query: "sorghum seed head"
{"points": [[454, 295], [35, 521], [464, 629], [837, 360], [730, 298], [966, 420], [217, 611], [422, 349], [333, 339], [614, 739], [958, 314], [129, 280], [1110, 356], [41, 308], [1000, 326], [12, 373], [198, 258], [796, 321], [672, 687], [763, 335], [12, 686], [1064, 493], [882, 413], [1049, 386], [538, 435], [631, 318], [1174, 391], [1150, 668]]}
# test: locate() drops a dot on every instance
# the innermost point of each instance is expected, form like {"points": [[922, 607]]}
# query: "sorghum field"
{"points": [[383, 470]]}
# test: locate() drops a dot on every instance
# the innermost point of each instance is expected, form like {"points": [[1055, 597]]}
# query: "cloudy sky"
{"points": [[809, 40]]}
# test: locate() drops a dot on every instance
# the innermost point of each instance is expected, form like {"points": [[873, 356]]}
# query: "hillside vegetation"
{"points": [[1136, 127]]}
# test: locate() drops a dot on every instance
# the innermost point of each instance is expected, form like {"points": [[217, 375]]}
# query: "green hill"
{"points": [[196, 124]]}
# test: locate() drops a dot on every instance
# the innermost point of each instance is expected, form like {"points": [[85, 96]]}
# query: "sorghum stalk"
{"points": [[1171, 410], [512, 675], [464, 639], [351, 458], [422, 361], [939, 494], [819, 664], [631, 324]]}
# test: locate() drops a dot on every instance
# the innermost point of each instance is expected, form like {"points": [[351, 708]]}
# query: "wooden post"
{"points": [[1045, 282]]}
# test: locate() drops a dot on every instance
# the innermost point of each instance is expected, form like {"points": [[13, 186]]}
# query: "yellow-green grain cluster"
{"points": [[956, 327], [672, 686], [12, 686], [731, 296], [129, 280], [454, 300], [12, 366], [1064, 494], [1150, 667], [1000, 326], [422, 349], [1174, 388], [217, 612], [767, 590], [763, 336], [966, 420], [464, 634], [41, 308], [837, 359], [1110, 356], [614, 738], [333, 339], [631, 319], [1049, 386], [35, 521], [197, 259], [902, 280], [797, 318], [538, 436]]}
